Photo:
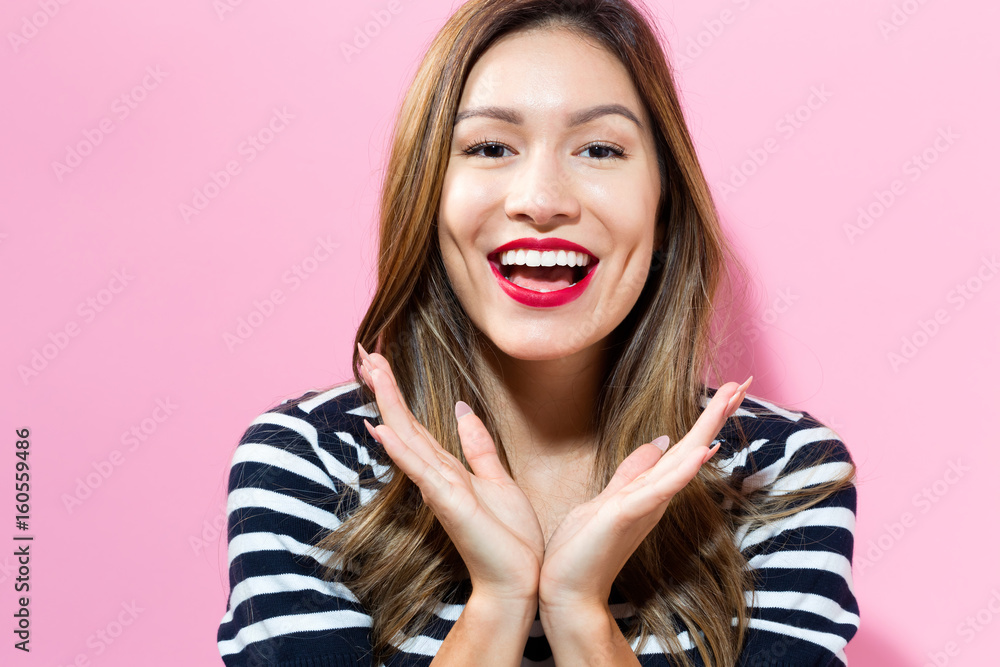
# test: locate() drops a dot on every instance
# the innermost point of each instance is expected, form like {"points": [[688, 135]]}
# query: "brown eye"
{"points": [[492, 147], [605, 151]]}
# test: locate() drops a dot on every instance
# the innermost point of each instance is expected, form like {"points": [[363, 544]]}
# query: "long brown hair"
{"points": [[688, 574]]}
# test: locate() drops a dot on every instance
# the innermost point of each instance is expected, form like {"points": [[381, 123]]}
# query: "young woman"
{"points": [[551, 479]]}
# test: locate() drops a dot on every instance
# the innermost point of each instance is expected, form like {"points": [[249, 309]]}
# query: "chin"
{"points": [[533, 349]]}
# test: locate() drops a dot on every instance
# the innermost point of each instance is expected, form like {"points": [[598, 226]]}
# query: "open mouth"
{"points": [[545, 271]]}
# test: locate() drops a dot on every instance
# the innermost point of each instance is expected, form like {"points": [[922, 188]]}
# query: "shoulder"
{"points": [[767, 444], [319, 436], [798, 536], [297, 473]]}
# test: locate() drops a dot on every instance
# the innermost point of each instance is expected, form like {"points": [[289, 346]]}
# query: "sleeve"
{"points": [[803, 611], [281, 496]]}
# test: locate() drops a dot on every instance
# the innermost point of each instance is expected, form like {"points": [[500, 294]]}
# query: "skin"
{"points": [[541, 544]]}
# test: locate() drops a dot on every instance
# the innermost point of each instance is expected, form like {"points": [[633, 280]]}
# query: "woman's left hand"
{"points": [[595, 540]]}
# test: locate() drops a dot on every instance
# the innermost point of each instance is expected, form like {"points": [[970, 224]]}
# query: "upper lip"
{"points": [[550, 243]]}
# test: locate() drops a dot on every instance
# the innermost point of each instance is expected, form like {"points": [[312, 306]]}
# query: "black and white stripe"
{"points": [[295, 463]]}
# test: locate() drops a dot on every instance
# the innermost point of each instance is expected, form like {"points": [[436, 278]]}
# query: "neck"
{"points": [[546, 406]]}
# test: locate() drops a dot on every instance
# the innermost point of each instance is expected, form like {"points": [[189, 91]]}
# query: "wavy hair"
{"points": [[688, 574]]}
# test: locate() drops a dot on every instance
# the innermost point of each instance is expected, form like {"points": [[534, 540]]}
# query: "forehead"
{"points": [[550, 70]]}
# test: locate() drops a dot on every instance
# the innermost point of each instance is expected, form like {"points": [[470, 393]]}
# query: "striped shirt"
{"points": [[296, 458]]}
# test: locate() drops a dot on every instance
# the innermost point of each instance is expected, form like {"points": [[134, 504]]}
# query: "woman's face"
{"points": [[551, 145]]}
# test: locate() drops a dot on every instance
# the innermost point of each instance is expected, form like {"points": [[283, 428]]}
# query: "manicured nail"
{"points": [[737, 398], [461, 409], [662, 442], [371, 429], [711, 453], [366, 376], [367, 358]]}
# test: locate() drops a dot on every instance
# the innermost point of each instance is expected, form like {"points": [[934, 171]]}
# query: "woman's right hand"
{"points": [[487, 516]]}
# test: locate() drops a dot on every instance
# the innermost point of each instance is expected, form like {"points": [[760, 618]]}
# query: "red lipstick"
{"points": [[533, 298]]}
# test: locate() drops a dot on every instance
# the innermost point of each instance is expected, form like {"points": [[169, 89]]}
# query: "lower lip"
{"points": [[542, 299]]}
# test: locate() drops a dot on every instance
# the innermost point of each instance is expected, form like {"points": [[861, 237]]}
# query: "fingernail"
{"points": [[662, 442], [737, 398], [711, 453], [371, 429], [461, 409], [364, 354]]}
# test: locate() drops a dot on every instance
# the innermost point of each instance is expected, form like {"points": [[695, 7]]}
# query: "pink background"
{"points": [[165, 292]]}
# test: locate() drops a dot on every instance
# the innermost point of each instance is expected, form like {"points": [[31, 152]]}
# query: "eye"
{"points": [[606, 151], [495, 150], [493, 146]]}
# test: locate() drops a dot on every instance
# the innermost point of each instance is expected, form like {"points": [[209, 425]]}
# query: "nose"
{"points": [[541, 192]]}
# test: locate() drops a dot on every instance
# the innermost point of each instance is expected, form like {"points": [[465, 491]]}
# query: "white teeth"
{"points": [[523, 257]]}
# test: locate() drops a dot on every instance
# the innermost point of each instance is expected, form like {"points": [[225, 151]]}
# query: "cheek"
{"points": [[629, 214], [460, 215], [470, 198], [464, 201], [452, 210]]}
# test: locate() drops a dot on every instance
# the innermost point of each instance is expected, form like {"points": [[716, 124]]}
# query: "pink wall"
{"points": [[888, 106]]}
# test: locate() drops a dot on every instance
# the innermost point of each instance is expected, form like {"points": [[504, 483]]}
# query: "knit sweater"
{"points": [[301, 468]]}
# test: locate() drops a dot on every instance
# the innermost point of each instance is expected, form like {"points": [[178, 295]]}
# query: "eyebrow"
{"points": [[512, 116]]}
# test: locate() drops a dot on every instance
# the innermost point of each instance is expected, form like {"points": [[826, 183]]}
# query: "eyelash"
{"points": [[617, 152]]}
